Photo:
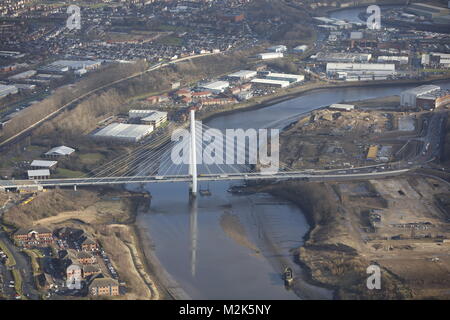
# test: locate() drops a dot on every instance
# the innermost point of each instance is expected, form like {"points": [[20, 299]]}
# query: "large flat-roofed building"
{"points": [[285, 77], [409, 97], [215, 86], [62, 66], [7, 90], [243, 75], [343, 57], [270, 55], [124, 132], [155, 119], [271, 83], [394, 59], [139, 114], [426, 10], [360, 71]]}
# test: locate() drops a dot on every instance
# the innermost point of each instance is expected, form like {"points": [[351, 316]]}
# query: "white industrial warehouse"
{"points": [[270, 55], [243, 75], [360, 71], [292, 78], [409, 97], [271, 83], [215, 86], [124, 132]]}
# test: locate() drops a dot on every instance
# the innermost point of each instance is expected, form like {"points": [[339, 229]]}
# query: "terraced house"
{"points": [[38, 237]]}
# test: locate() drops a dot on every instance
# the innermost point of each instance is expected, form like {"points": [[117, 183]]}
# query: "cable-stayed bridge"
{"points": [[153, 162]]}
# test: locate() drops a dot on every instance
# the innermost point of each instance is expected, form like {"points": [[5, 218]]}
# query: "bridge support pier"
{"points": [[193, 158]]}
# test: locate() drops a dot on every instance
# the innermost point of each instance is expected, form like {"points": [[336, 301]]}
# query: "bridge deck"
{"points": [[15, 184]]}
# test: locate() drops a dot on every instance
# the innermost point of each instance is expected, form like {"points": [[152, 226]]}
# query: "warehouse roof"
{"points": [[271, 82], [38, 173], [43, 163], [422, 89], [60, 151], [123, 130], [243, 74]]}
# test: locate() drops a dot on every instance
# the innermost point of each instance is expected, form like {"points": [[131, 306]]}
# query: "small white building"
{"points": [[40, 174], [36, 164], [270, 55], [61, 151], [278, 48], [343, 107]]}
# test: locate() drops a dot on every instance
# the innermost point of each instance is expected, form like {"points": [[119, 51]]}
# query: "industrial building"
{"points": [[271, 83], [279, 48], [291, 78], [155, 119], [409, 97], [427, 11], [7, 90], [270, 55], [394, 59], [342, 57], [433, 100], [139, 114], [215, 86], [62, 66], [124, 132], [243, 75], [360, 71], [23, 75]]}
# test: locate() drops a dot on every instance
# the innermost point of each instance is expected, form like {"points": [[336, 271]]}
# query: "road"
{"points": [[24, 267], [363, 173]]}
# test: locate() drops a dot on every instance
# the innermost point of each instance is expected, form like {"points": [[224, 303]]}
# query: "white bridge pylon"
{"points": [[193, 157]]}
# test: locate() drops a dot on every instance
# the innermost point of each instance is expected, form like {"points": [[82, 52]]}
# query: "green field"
{"points": [[91, 158], [66, 173]]}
